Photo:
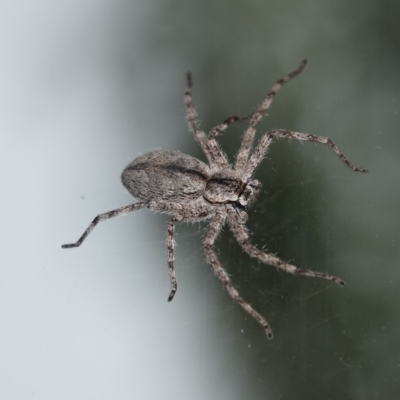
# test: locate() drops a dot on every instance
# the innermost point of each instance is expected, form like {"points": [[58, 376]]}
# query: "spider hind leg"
{"points": [[212, 233]]}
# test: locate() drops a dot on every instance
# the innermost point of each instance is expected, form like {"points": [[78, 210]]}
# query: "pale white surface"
{"points": [[93, 322]]}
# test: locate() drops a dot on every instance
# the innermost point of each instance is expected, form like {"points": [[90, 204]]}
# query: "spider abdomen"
{"points": [[164, 175]]}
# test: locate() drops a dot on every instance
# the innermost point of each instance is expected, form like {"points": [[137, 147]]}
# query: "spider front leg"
{"points": [[248, 136], [223, 126], [210, 147], [171, 257], [261, 149], [101, 217], [240, 232], [212, 233]]}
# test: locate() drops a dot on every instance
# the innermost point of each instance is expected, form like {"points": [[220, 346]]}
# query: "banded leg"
{"points": [[212, 233], [262, 147], [248, 137], [210, 148], [224, 125], [239, 230], [171, 257], [181, 213], [101, 217]]}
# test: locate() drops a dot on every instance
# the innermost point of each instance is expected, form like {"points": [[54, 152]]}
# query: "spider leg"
{"points": [[171, 258], [212, 233], [101, 217], [188, 213], [210, 147], [248, 137], [240, 232], [262, 147], [224, 125]]}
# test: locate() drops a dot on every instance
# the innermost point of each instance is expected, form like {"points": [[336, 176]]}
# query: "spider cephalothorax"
{"points": [[227, 187], [190, 190]]}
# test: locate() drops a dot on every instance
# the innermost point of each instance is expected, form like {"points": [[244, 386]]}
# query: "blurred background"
{"points": [[86, 87]]}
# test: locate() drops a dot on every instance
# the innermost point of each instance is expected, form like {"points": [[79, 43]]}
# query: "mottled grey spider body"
{"points": [[172, 178], [190, 190]]}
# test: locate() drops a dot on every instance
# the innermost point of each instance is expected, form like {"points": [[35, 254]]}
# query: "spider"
{"points": [[190, 190]]}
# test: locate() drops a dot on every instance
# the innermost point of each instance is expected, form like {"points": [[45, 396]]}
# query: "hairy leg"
{"points": [[261, 149], [101, 217], [212, 233], [171, 257], [224, 125], [183, 212], [248, 137], [210, 147], [240, 232]]}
